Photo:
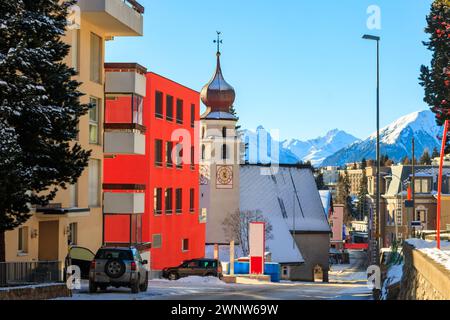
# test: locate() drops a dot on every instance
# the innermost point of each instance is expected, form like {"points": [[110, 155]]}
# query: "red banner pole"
{"points": [[439, 200]]}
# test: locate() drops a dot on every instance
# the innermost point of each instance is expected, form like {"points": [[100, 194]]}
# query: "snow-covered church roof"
{"points": [[289, 199]]}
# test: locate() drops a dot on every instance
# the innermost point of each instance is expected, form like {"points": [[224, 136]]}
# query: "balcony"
{"points": [[125, 77], [115, 17], [123, 199]]}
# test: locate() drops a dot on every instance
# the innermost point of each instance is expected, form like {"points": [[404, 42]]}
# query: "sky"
{"points": [[299, 66]]}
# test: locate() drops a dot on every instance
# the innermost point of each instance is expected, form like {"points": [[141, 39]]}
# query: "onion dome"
{"points": [[217, 94]]}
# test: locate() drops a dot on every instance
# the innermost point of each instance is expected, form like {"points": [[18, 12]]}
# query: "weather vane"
{"points": [[218, 41]]}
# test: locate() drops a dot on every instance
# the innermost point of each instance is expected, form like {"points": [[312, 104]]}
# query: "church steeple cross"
{"points": [[218, 41]]}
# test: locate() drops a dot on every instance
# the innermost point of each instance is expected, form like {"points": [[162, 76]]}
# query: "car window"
{"points": [[209, 264], [79, 253], [114, 254], [137, 255], [192, 264]]}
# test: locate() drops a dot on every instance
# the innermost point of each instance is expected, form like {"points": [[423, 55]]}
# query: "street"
{"points": [[347, 282]]}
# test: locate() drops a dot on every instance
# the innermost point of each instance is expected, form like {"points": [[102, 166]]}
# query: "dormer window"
{"points": [[422, 185]]}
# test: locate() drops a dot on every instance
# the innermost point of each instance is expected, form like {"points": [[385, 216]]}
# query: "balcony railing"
{"points": [[123, 199], [135, 5], [28, 273]]}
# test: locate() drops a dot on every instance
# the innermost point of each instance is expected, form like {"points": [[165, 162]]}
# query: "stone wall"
{"points": [[423, 278], [37, 292]]}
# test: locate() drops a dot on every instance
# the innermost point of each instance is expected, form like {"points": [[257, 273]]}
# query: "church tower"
{"points": [[220, 155]]}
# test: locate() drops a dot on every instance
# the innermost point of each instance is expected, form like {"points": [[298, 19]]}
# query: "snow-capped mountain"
{"points": [[260, 146], [396, 140], [317, 150]]}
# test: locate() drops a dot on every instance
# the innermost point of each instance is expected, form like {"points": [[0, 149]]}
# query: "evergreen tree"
{"points": [[343, 195], [425, 159], [406, 160], [234, 113], [361, 207], [435, 153], [436, 78], [39, 110], [319, 181], [363, 163]]}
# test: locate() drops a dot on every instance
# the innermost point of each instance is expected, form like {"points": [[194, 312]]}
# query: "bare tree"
{"points": [[236, 227]]}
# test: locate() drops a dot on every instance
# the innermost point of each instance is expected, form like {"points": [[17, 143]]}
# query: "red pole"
{"points": [[439, 200]]}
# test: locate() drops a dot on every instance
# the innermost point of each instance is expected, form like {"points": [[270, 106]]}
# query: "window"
{"points": [[94, 120], [96, 58], [179, 200], [137, 107], [421, 185], [76, 50], [179, 111], [94, 183], [399, 217], [203, 151], [156, 241], [169, 108], [157, 201], [72, 237], [192, 158], [421, 215], [73, 189], [136, 228], [191, 200], [159, 105], [185, 245], [224, 132], [224, 151], [169, 201], [169, 149], [179, 154], [23, 240], [158, 152], [192, 115]]}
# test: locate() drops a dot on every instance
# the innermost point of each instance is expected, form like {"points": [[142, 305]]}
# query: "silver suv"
{"points": [[118, 267]]}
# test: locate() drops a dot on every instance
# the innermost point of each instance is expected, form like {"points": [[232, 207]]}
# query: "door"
{"points": [[189, 268], [48, 240], [81, 257]]}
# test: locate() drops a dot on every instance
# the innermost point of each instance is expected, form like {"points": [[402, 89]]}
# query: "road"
{"points": [[347, 282]]}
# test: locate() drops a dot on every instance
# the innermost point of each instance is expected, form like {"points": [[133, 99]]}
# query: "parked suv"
{"points": [[118, 267], [196, 267]]}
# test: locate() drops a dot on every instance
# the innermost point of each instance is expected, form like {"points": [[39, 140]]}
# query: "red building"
{"points": [[151, 194]]}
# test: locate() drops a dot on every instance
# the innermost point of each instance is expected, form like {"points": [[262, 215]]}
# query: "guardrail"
{"points": [[28, 273], [135, 5]]}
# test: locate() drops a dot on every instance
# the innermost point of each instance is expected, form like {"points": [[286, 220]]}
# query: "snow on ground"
{"points": [[429, 248]]}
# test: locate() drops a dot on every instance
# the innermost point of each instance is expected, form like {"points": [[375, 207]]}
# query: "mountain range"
{"points": [[338, 147]]}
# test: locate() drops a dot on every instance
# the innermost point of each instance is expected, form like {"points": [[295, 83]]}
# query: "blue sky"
{"points": [[297, 65]]}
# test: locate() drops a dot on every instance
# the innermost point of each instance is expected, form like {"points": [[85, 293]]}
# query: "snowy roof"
{"points": [[285, 198], [325, 196]]}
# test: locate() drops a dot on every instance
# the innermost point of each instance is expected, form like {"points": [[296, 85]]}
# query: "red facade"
{"points": [[171, 219]]}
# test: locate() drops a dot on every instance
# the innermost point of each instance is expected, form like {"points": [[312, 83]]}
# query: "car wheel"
{"points": [[115, 268], [173, 276], [135, 286], [92, 287], [144, 286]]}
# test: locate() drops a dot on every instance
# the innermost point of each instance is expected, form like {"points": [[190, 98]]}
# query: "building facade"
{"points": [[75, 216], [153, 194]]}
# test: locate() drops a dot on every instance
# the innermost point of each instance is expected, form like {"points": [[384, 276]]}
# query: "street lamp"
{"points": [[377, 215]]}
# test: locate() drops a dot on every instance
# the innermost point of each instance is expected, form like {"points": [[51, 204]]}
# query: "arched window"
{"points": [[203, 132], [203, 151], [224, 132], [224, 151]]}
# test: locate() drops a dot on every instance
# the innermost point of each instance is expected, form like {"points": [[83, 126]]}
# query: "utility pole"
{"points": [[413, 186]]}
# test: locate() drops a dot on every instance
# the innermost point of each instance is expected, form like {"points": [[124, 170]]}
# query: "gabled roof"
{"points": [[325, 196], [289, 199]]}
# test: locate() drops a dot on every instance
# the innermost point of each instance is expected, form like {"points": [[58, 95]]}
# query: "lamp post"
{"points": [[377, 214]]}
